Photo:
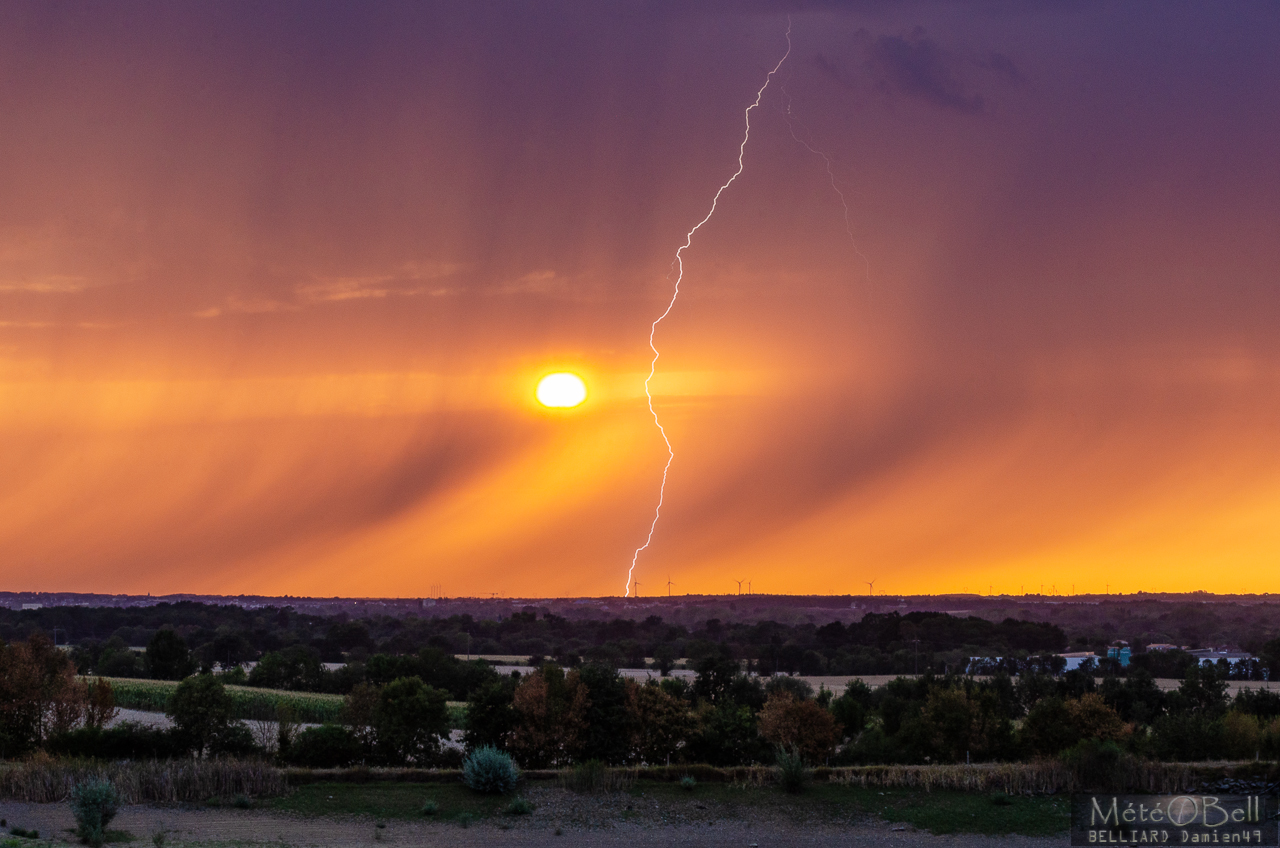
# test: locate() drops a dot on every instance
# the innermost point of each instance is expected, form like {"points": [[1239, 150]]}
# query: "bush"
{"points": [[326, 746], [125, 741], [519, 807], [489, 770], [94, 803], [430, 808], [792, 774], [1100, 765], [233, 740], [688, 783]]}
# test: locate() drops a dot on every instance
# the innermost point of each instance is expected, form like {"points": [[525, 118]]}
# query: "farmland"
{"points": [[249, 702]]}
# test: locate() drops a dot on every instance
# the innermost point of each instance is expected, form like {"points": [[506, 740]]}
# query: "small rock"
{"points": [[898, 827]]}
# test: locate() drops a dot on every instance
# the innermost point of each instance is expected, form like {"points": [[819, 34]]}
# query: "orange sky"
{"points": [[276, 285]]}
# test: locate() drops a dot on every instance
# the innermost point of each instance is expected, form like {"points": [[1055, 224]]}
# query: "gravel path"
{"points": [[577, 821]]}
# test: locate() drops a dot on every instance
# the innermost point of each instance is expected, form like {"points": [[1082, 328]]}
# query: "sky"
{"points": [[990, 308]]}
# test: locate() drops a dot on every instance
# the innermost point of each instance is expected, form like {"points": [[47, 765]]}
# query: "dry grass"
{"points": [[1045, 777], [45, 780]]}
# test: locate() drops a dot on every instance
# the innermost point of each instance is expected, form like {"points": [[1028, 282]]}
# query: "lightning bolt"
{"points": [[792, 120], [679, 262]]}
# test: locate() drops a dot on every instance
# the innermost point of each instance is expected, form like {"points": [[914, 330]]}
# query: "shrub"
{"points": [[489, 770], [792, 774], [233, 740], [326, 746], [430, 808], [1100, 765], [519, 807], [688, 783], [94, 803], [126, 741]]}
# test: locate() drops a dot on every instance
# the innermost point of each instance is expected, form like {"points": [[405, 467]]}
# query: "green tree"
{"points": [[296, 667], [409, 720], [850, 709], [490, 715], [660, 722], [607, 734], [201, 710], [1047, 728], [167, 656]]}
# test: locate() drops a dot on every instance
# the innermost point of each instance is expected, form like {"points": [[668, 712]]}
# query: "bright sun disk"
{"points": [[561, 391]]}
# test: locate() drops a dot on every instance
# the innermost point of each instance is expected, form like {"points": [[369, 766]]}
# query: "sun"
{"points": [[561, 391]]}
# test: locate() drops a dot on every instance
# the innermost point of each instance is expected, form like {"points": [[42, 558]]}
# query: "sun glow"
{"points": [[561, 391]]}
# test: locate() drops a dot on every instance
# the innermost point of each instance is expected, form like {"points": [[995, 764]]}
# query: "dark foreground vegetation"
{"points": [[941, 750], [553, 717]]}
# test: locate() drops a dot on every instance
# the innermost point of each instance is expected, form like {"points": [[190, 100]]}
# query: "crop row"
{"points": [[247, 702]]}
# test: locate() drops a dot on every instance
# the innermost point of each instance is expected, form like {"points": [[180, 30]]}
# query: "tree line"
{"points": [[556, 716]]}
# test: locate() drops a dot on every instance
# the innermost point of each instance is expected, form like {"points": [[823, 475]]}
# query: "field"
{"points": [[251, 703]]}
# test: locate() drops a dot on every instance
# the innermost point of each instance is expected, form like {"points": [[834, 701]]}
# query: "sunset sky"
{"points": [[277, 282]]}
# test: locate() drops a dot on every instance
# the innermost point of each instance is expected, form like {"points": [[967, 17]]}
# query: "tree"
{"points": [[167, 656], [715, 676], [357, 714], [1047, 729], [100, 704], [490, 716], [1092, 718], [551, 710], [726, 735], [850, 709], [296, 667], [1204, 690], [201, 709], [660, 722], [1270, 655], [606, 733], [789, 723], [39, 694], [409, 720]]}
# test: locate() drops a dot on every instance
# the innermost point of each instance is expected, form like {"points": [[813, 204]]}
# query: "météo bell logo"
{"points": [[1174, 820]]}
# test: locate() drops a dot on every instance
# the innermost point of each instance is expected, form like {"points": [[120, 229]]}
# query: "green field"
{"points": [[250, 702], [937, 812]]}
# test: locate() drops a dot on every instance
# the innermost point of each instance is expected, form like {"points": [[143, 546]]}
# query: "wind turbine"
{"points": [[871, 587], [740, 582], [636, 585], [669, 585]]}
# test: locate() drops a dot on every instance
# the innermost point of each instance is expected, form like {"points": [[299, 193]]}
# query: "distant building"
{"points": [[1120, 653], [1210, 656], [32, 606], [1165, 646]]}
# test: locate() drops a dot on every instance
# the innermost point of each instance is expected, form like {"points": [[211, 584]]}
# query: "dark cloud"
{"points": [[919, 67]]}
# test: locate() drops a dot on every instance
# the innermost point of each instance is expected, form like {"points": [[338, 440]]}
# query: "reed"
{"points": [[45, 780]]}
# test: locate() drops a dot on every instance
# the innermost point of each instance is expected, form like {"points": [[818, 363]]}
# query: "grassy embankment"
{"points": [[250, 702], [938, 812]]}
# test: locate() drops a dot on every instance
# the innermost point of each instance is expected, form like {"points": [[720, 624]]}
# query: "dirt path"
{"points": [[203, 827]]}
